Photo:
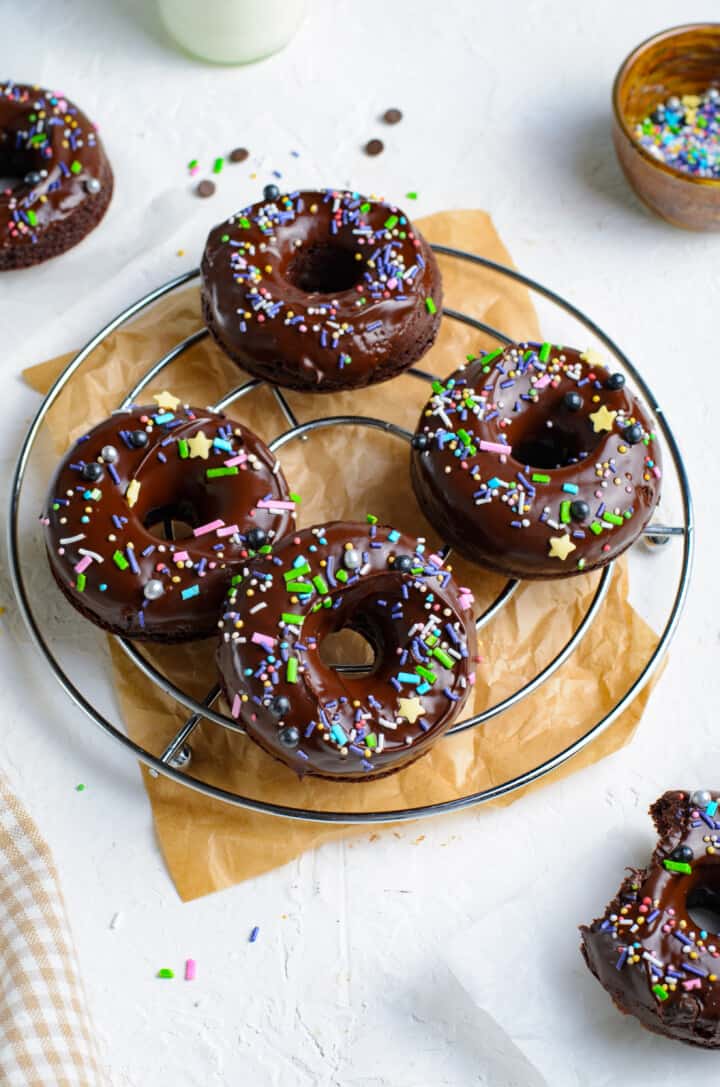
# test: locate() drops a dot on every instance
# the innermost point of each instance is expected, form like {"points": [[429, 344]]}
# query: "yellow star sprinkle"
{"points": [[560, 547], [166, 401], [410, 709], [592, 357], [602, 419], [199, 446], [132, 492]]}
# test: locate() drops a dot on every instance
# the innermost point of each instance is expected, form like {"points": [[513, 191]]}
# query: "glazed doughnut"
{"points": [[536, 461], [384, 586], [321, 290], [64, 181], [653, 959], [213, 480]]}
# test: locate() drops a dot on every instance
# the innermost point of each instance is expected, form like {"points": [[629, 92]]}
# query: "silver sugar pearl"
{"points": [[33, 178], [153, 589], [352, 559], [92, 185], [109, 454], [673, 103], [700, 798]]}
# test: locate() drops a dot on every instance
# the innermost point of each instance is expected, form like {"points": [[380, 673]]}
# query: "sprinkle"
{"points": [[202, 530], [80, 788], [190, 970], [430, 305], [218, 473], [292, 670], [192, 590], [165, 973], [495, 447], [218, 165], [678, 866], [254, 934], [120, 560], [132, 492], [544, 352], [660, 992]]}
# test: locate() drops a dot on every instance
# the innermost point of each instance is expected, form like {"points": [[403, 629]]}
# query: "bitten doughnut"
{"points": [[62, 181], [153, 512], [347, 576], [321, 290], [653, 959], [536, 461]]}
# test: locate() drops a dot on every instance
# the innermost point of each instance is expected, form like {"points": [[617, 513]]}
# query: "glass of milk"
{"points": [[232, 31]]}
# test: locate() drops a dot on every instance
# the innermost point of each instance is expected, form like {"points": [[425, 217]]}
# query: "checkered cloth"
{"points": [[46, 1039]]}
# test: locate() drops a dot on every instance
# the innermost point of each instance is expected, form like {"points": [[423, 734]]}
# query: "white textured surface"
{"points": [[506, 108]]}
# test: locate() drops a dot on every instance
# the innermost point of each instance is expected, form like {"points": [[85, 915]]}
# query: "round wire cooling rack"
{"points": [[174, 762]]}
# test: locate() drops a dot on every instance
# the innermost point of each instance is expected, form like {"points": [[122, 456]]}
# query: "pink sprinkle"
{"points": [[211, 526], [190, 969], [392, 283], [227, 530], [273, 504], [656, 472], [543, 381], [264, 640], [83, 564], [693, 984], [495, 447], [239, 459], [181, 556], [436, 560], [235, 711]]}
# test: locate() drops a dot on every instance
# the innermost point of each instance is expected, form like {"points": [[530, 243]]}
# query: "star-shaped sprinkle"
{"points": [[410, 709], [592, 357], [560, 547], [602, 419], [166, 401], [199, 446]]}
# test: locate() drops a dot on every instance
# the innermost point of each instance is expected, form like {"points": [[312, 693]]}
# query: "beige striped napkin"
{"points": [[46, 1038]]}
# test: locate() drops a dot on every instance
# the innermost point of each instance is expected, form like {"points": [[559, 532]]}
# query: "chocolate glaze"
{"points": [[321, 290], [361, 715], [45, 135], [171, 472], [646, 937], [472, 494]]}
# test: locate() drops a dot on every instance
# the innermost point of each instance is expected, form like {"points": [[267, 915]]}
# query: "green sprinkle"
{"points": [[678, 866], [192, 164], [391, 221], [612, 518], [539, 477], [464, 437], [544, 352], [411, 196], [217, 473], [80, 583], [425, 673], [245, 223], [182, 448], [370, 740], [76, 167], [596, 528], [565, 512], [120, 560], [431, 640], [491, 355], [225, 238], [236, 580], [292, 670], [32, 217], [299, 587], [445, 660], [320, 583], [438, 387], [371, 519], [165, 973], [295, 498], [660, 992], [297, 571], [430, 305], [364, 208], [342, 575], [265, 549], [218, 165], [79, 788], [290, 617]]}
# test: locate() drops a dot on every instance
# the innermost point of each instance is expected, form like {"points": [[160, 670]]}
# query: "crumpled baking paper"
{"points": [[346, 472]]}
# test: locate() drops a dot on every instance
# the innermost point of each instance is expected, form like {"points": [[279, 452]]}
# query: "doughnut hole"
{"points": [[173, 522], [325, 268], [552, 438], [15, 165], [703, 904], [350, 648]]}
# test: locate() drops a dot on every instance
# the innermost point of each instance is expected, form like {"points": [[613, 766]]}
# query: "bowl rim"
{"points": [[626, 64]]}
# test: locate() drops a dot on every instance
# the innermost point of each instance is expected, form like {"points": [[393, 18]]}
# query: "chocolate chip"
{"points": [[374, 147], [205, 188], [239, 154], [392, 116]]}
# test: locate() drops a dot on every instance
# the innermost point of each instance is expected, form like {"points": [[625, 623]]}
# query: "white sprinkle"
{"points": [[258, 607], [72, 539]]}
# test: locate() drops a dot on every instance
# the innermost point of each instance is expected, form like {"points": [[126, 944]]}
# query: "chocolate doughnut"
{"points": [[64, 181], [321, 290], [347, 576], [212, 480], [653, 959], [536, 461]]}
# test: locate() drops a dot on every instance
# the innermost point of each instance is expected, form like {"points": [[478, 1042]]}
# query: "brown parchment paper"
{"points": [[345, 473]]}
